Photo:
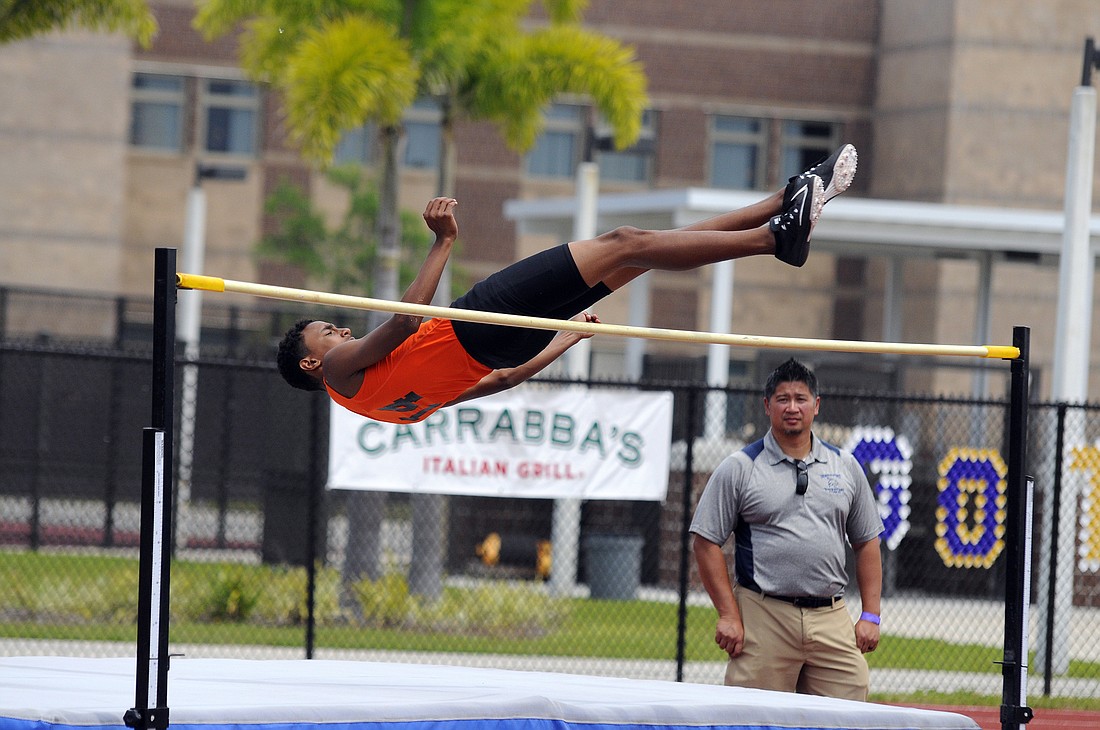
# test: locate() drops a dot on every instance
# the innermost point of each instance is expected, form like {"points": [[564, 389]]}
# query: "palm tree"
{"points": [[488, 67], [336, 64], [340, 63]]}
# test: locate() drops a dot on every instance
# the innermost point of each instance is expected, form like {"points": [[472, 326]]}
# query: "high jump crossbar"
{"points": [[215, 284]]}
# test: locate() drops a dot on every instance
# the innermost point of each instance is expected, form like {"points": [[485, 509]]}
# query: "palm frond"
{"points": [[20, 20], [522, 75], [446, 35], [265, 48], [214, 18], [217, 17], [342, 74], [565, 11]]}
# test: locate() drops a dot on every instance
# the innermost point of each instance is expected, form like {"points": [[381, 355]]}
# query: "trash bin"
{"points": [[613, 565]]}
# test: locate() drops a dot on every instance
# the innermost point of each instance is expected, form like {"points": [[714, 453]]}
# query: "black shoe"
{"points": [[792, 227], [836, 172]]}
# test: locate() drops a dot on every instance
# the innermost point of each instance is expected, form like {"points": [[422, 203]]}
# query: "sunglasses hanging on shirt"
{"points": [[802, 477]]}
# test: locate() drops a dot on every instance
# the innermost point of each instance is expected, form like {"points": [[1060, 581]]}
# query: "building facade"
{"points": [[959, 102]]}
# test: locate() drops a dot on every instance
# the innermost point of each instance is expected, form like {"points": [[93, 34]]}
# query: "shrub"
{"points": [[284, 599], [501, 609], [385, 603], [232, 595], [493, 608]]}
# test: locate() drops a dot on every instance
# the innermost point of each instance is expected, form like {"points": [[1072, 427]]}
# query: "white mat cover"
{"points": [[58, 693]]}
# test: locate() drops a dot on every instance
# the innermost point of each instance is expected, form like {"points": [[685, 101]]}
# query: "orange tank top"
{"points": [[424, 373]]}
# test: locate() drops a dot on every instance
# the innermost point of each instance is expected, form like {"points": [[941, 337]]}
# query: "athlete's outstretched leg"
{"points": [[620, 255], [742, 219], [836, 173], [781, 213]]}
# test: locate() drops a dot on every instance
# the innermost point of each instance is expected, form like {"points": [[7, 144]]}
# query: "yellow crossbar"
{"points": [[215, 284]]}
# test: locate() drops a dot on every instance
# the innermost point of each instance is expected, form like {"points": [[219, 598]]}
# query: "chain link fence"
{"points": [[269, 564]]}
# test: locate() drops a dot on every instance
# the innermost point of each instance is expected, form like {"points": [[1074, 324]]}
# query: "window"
{"points": [[156, 111], [804, 144], [634, 164], [230, 110], [423, 135], [558, 148], [356, 146], [738, 158]]}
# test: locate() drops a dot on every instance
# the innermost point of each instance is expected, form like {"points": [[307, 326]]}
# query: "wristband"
{"points": [[869, 617]]}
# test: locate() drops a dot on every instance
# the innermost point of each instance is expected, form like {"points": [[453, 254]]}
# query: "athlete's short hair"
{"points": [[292, 348], [791, 371]]}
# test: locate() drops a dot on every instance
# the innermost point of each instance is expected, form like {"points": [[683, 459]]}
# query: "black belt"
{"points": [[799, 601]]}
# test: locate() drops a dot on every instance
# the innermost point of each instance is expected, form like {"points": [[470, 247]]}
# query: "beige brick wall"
{"points": [[972, 108], [63, 126]]}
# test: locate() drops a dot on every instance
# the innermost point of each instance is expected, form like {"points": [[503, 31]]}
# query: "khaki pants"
{"points": [[790, 649]]}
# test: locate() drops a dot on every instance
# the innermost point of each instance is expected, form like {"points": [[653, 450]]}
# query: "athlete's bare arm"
{"points": [[344, 364]]}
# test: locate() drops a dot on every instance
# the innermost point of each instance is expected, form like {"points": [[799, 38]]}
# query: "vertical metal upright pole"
{"points": [[151, 697], [317, 411], [565, 524], [1047, 656], [685, 533], [638, 293], [1072, 345], [1014, 710], [164, 353], [718, 356], [190, 328]]}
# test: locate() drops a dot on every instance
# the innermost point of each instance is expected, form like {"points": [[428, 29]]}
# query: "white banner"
{"points": [[530, 441]]}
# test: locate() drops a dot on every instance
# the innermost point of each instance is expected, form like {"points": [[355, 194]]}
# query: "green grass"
{"points": [[896, 652], [81, 597], [93, 598], [604, 629]]}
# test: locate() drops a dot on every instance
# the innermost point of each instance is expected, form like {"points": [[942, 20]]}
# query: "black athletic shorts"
{"points": [[546, 284]]}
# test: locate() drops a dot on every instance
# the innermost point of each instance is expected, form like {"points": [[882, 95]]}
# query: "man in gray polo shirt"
{"points": [[791, 501]]}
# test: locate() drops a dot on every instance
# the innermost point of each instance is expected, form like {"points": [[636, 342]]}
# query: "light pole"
{"points": [[1071, 366], [190, 326], [565, 529]]}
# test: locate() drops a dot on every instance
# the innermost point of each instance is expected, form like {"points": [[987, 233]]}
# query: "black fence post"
{"points": [[229, 408], [317, 412], [685, 535], [110, 476], [120, 322], [1055, 530], [40, 450]]}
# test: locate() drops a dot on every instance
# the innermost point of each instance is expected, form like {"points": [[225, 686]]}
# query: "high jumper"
{"points": [[407, 368]]}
